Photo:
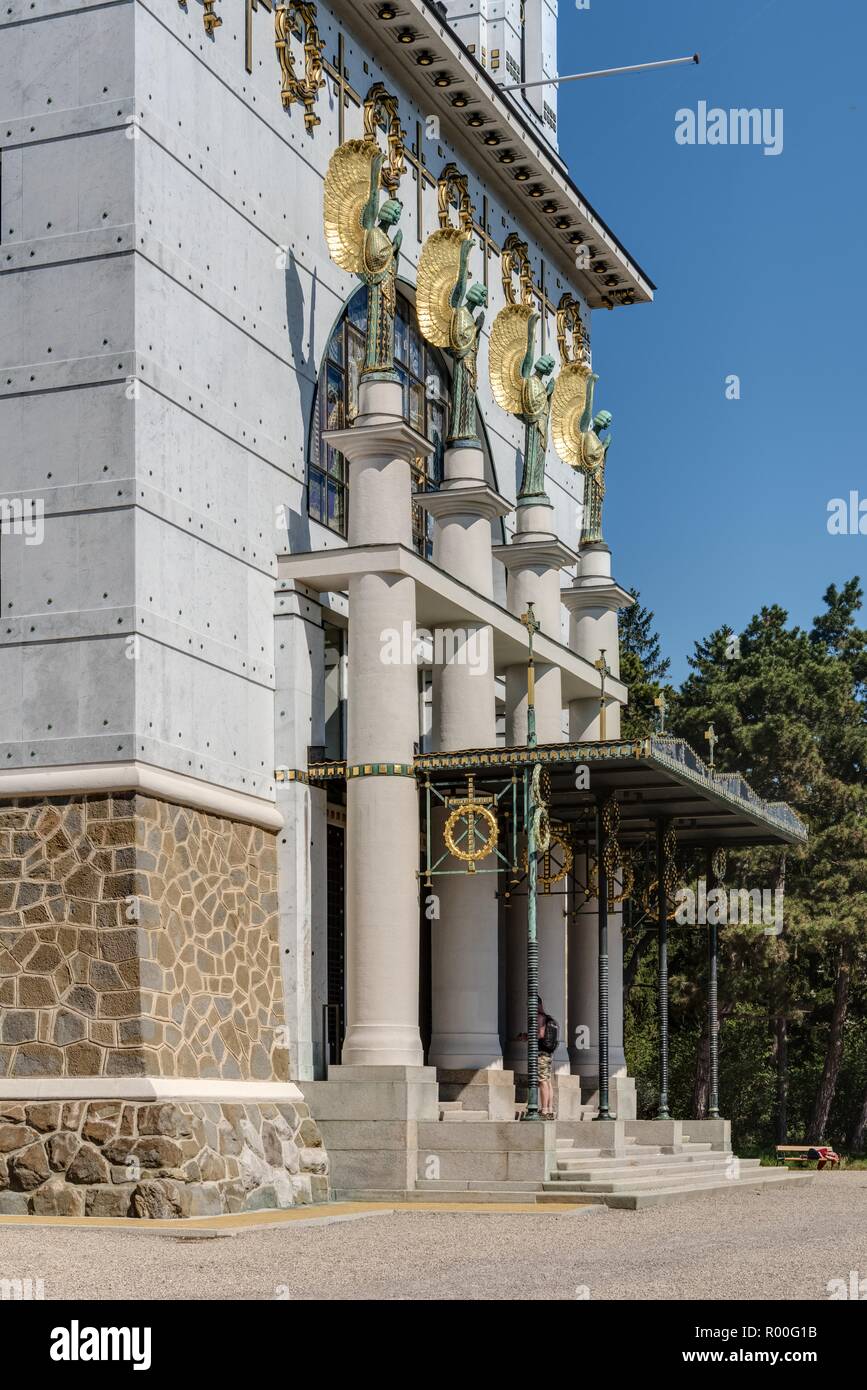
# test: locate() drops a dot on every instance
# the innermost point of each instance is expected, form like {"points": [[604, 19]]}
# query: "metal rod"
{"points": [[602, 72], [602, 905], [662, 1112], [712, 1003], [532, 1111]]}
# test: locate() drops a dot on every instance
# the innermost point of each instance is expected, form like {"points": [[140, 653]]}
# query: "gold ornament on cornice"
{"points": [[381, 108], [453, 187], [573, 338], [298, 17], [515, 258], [210, 19]]}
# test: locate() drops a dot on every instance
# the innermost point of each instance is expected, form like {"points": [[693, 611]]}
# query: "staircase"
{"points": [[453, 1110], [640, 1176]]}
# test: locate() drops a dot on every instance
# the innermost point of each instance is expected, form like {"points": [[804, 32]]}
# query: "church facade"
{"points": [[281, 509]]}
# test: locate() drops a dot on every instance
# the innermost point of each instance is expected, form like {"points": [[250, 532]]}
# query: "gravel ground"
{"points": [[772, 1244]]}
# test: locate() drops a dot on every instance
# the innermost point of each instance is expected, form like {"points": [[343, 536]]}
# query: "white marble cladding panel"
{"points": [[80, 568], [65, 441], [207, 483], [197, 718], [58, 312], [207, 591], [58, 187], [63, 55]]}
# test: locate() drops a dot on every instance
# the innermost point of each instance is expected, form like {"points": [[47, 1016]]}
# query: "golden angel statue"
{"points": [[519, 384], [578, 439], [445, 307], [356, 231], [576, 431]]}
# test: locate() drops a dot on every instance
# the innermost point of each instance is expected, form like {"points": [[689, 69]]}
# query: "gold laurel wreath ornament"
{"points": [[470, 853]]}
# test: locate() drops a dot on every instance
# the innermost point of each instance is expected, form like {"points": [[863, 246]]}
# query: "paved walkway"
{"points": [[772, 1244]]}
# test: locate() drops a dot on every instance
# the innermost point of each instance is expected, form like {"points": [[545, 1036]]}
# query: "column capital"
{"points": [[383, 439], [463, 497], [595, 592], [546, 552]]}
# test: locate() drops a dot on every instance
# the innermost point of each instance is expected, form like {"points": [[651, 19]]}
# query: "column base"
{"points": [[370, 1117], [489, 1089], [622, 1100], [381, 1045]]}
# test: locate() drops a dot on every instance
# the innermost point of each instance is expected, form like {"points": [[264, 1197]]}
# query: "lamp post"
{"points": [[662, 710], [604, 672], [532, 1112]]}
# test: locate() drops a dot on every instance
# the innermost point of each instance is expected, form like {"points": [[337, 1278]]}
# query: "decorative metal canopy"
{"points": [[653, 778]]}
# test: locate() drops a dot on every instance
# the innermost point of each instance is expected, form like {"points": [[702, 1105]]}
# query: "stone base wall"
{"points": [[157, 1160], [137, 938]]}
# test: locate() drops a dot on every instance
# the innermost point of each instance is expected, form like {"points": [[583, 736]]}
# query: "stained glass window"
{"points": [[426, 403]]}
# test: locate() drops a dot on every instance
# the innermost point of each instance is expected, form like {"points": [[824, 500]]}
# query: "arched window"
{"points": [[426, 402]]}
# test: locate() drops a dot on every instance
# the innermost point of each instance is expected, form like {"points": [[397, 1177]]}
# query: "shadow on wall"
{"points": [[300, 326]]}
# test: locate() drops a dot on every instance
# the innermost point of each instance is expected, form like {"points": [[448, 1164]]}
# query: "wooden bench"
{"points": [[820, 1154]]}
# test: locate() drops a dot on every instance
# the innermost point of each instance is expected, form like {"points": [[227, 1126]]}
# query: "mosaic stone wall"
{"points": [[152, 1160], [137, 938]]}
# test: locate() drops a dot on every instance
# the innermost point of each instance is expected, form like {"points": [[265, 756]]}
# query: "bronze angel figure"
{"points": [[445, 308], [357, 234]]}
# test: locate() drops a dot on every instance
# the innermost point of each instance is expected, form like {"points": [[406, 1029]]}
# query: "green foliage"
{"points": [[790, 709], [642, 669]]}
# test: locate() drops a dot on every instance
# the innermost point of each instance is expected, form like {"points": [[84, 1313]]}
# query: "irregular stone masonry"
{"points": [[157, 1160], [137, 938]]}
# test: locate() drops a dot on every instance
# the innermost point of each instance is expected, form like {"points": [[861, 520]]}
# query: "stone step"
{"points": [[450, 1105], [476, 1185], [628, 1182], [604, 1167], [661, 1196], [484, 1195], [453, 1115], [533, 1194]]}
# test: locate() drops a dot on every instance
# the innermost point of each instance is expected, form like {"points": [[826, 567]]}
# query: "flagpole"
{"points": [[601, 72]]}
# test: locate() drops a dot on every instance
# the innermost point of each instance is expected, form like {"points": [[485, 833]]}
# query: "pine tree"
{"points": [[642, 668]]}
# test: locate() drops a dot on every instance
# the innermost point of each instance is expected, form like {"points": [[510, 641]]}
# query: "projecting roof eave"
{"points": [[444, 603], [614, 277], [654, 778]]}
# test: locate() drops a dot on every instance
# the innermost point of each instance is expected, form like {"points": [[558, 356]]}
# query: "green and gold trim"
{"points": [[343, 772]]}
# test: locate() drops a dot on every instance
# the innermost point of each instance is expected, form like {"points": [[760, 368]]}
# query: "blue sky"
{"points": [[716, 507]]}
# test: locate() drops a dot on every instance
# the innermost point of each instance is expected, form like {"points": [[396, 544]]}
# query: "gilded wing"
{"points": [[439, 269], [567, 407], [347, 191], [506, 353]]}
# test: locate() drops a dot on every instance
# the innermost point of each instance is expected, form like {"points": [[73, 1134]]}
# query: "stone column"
{"points": [[465, 1044], [302, 868], [382, 834], [593, 603], [533, 562]]}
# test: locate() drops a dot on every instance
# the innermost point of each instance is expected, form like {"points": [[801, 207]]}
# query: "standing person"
{"points": [[549, 1037]]}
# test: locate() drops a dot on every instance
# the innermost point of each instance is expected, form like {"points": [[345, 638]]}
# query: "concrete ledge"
{"points": [[102, 778], [31, 1088], [487, 1136], [372, 1100]]}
